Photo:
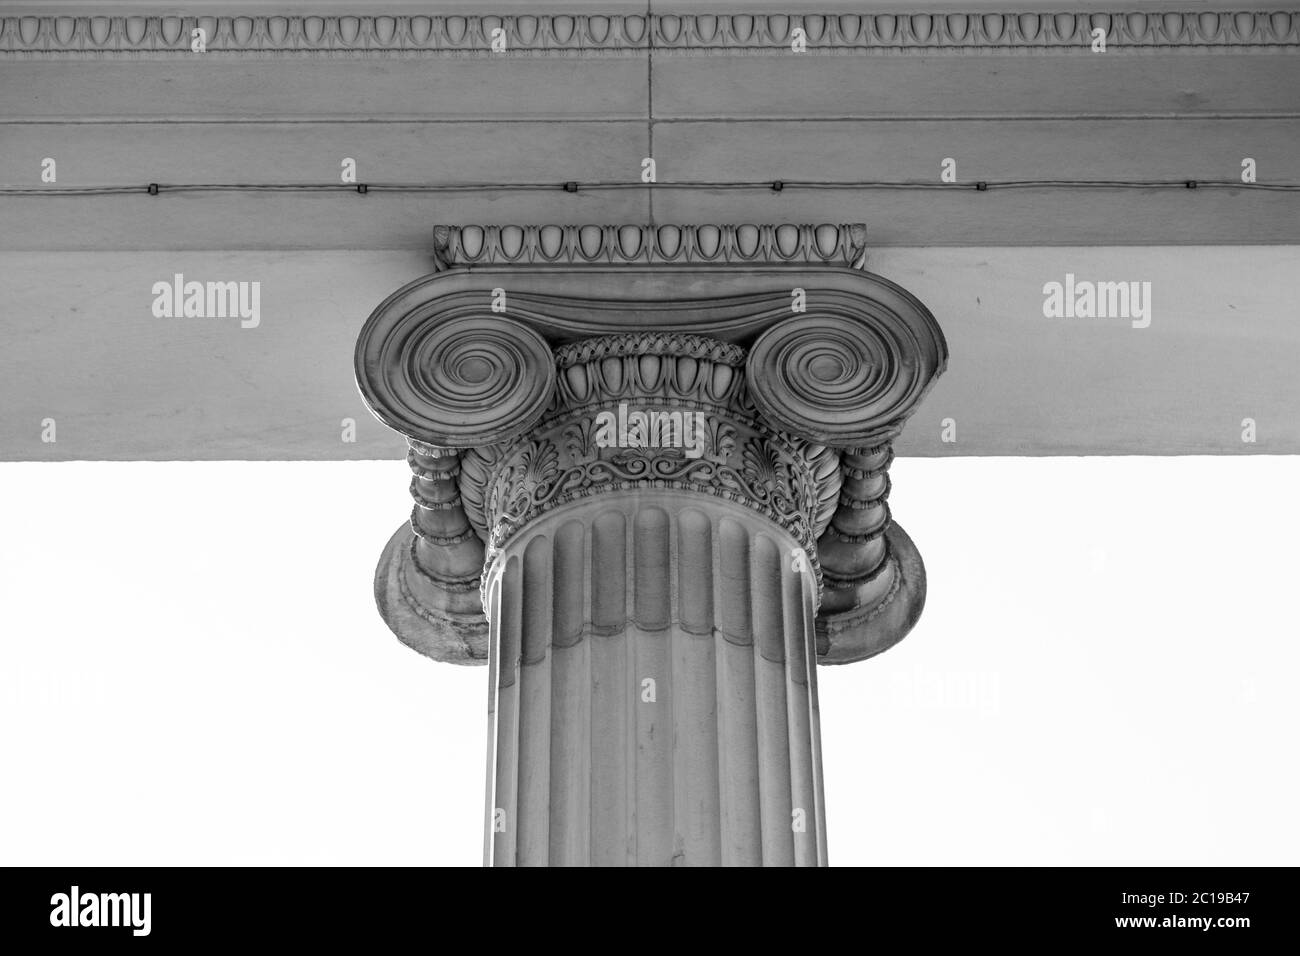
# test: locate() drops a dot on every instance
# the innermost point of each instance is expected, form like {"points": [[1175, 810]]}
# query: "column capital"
{"points": [[528, 343]]}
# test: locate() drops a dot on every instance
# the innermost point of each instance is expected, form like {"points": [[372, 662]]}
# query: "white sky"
{"points": [[192, 672]]}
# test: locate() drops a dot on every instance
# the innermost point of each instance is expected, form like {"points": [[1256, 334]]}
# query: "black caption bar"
{"points": [[170, 906]]}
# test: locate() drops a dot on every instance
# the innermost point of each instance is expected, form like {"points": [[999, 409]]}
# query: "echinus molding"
{"points": [[589, 34]]}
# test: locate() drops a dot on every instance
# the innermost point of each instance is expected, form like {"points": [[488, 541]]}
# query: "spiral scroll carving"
{"points": [[843, 380], [461, 382]]}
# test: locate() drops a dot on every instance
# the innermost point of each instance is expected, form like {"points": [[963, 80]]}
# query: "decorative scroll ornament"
{"points": [[626, 34], [844, 379], [465, 380], [843, 244]]}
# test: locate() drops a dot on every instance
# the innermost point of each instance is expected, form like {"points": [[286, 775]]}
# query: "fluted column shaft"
{"points": [[653, 689]]}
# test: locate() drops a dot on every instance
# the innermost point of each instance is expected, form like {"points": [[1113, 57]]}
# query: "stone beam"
{"points": [[583, 94]]}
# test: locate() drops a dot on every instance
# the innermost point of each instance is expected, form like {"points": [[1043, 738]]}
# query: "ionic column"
{"points": [[650, 537]]}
